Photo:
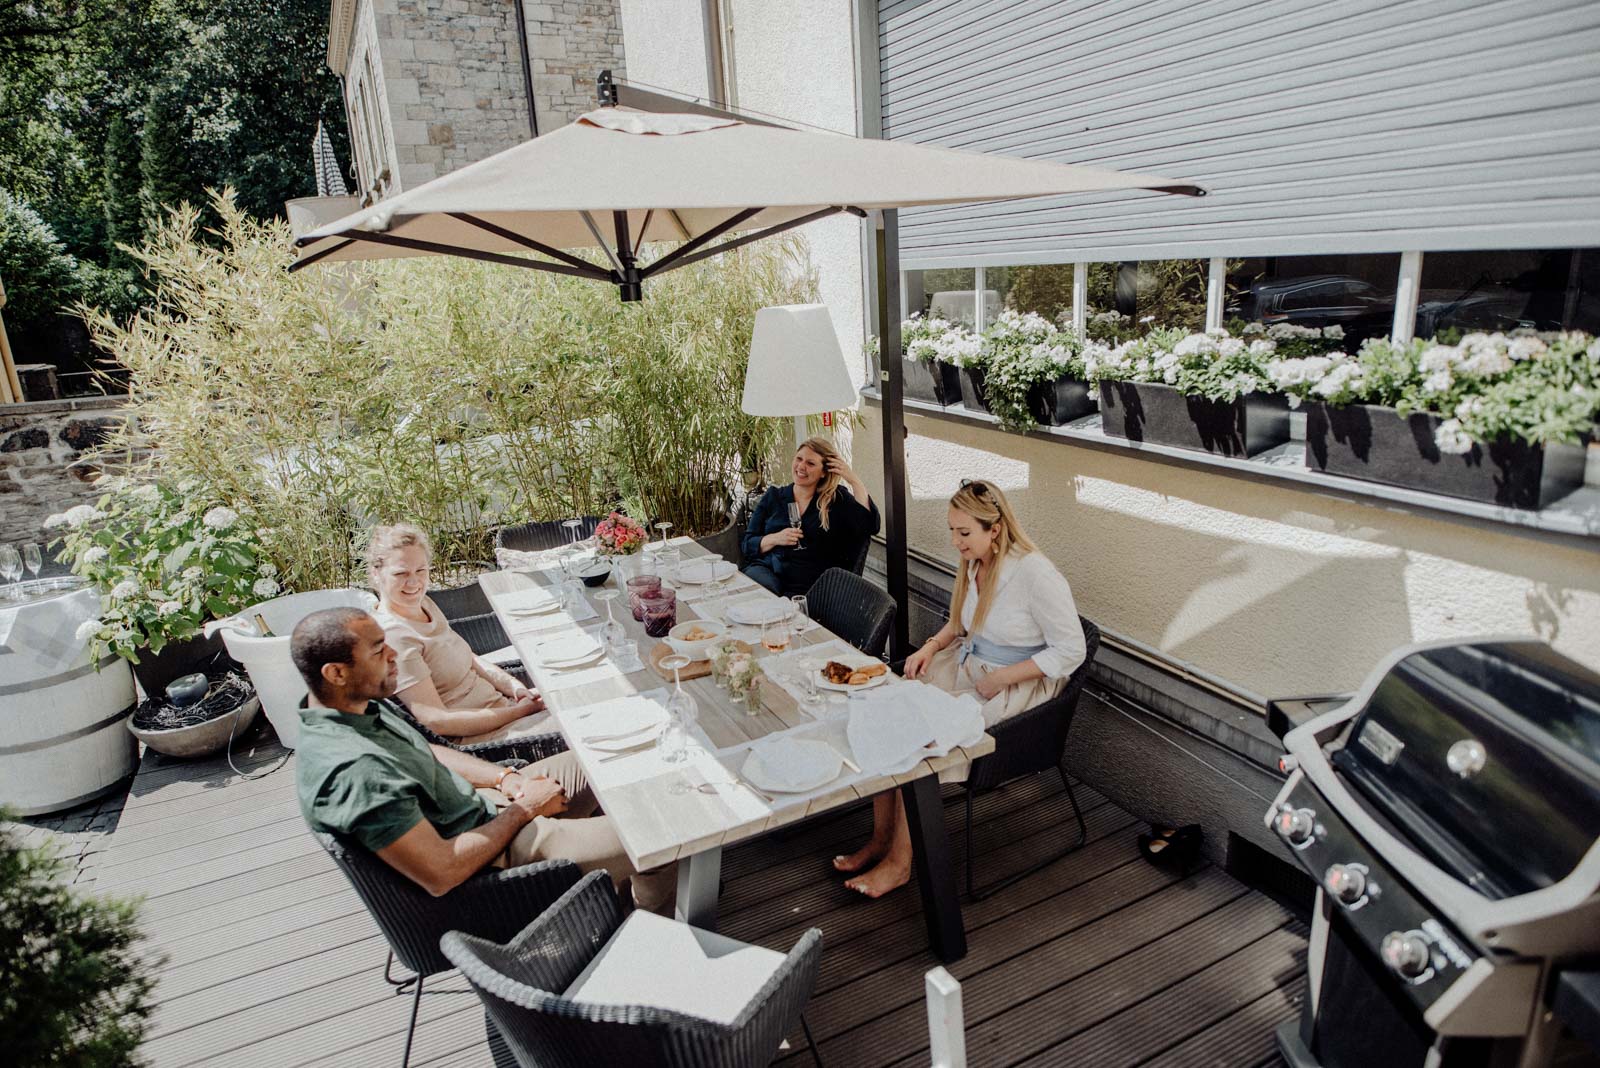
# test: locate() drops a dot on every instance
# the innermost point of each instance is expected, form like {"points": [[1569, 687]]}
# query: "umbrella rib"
{"points": [[588, 220], [642, 228], [670, 260], [728, 246], [476, 254], [525, 242], [319, 254]]}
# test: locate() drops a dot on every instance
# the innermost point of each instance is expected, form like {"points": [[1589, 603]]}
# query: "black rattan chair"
{"points": [[493, 904], [852, 608], [533, 537], [513, 753], [483, 633], [1027, 744], [462, 602], [521, 987]]}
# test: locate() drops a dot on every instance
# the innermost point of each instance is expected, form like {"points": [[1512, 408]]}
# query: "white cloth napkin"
{"points": [[46, 631], [892, 727]]}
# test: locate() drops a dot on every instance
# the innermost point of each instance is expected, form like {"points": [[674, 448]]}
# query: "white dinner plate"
{"points": [[792, 765], [697, 572], [753, 613], [568, 651]]}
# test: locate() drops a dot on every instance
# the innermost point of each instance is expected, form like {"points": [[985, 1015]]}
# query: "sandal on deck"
{"points": [[1171, 846]]}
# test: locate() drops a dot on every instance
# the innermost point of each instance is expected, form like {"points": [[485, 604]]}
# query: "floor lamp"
{"points": [[796, 366]]}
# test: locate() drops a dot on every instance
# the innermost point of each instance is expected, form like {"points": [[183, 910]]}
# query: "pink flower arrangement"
{"points": [[617, 535]]}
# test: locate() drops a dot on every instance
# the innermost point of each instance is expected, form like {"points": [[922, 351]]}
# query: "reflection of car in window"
{"points": [[1318, 300]]}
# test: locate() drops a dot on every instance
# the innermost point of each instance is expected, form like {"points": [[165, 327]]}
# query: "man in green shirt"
{"points": [[363, 772]]}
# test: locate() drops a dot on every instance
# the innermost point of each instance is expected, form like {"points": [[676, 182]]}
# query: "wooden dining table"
{"points": [[688, 812]]}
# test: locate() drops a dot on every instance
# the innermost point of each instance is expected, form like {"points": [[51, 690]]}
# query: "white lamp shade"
{"points": [[796, 365]]}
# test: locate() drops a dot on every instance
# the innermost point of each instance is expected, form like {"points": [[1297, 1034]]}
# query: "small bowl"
{"points": [[700, 649], [596, 574]]}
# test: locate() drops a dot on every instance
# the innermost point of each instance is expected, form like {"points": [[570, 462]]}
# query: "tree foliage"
{"points": [[73, 989]]}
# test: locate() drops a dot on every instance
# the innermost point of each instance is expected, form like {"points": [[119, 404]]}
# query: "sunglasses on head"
{"points": [[977, 486]]}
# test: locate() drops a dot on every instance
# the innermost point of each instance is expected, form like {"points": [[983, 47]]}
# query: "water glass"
{"points": [[10, 569], [681, 714], [659, 612], [811, 670], [611, 633], [638, 587], [32, 557], [775, 634]]}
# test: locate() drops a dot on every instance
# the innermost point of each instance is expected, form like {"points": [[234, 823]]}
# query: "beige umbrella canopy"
{"points": [[617, 178]]}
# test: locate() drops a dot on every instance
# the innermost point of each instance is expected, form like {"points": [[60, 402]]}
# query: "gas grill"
{"points": [[1449, 814]]}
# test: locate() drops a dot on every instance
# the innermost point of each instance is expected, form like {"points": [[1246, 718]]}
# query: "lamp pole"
{"points": [[891, 388]]}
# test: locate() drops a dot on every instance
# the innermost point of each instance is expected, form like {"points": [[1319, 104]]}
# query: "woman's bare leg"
{"points": [[894, 870], [883, 819]]}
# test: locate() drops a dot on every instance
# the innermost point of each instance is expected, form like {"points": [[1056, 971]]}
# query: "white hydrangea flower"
{"points": [[1450, 438], [125, 589], [264, 587], [168, 608], [1439, 358], [1526, 348], [89, 628], [79, 514], [220, 518], [269, 570], [94, 554], [1334, 333], [146, 494], [1438, 382], [55, 519]]}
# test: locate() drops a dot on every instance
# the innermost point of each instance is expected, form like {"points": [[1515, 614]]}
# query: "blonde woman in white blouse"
{"points": [[1013, 639]]}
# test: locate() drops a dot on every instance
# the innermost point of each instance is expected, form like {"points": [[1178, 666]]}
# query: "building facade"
{"points": [[432, 85]]}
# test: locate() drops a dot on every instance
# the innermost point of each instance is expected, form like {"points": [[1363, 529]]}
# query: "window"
{"points": [[1353, 292], [949, 293], [1541, 289], [1148, 293]]}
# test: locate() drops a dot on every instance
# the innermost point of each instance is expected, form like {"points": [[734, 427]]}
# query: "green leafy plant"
{"points": [[1214, 365], [74, 989], [165, 561], [1021, 351]]}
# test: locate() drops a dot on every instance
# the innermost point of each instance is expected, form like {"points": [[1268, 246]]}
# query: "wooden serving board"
{"points": [[696, 669]]}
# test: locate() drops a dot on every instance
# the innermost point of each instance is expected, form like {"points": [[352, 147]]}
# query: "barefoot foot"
{"points": [[881, 880], [867, 855]]}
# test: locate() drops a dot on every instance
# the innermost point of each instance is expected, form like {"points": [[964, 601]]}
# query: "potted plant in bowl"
{"points": [[165, 560], [1495, 418], [1209, 392], [1033, 372]]}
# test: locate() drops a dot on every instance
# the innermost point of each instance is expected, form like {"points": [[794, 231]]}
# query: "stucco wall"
{"points": [[1275, 589], [666, 44]]}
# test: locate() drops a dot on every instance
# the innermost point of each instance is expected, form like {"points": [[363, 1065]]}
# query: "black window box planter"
{"points": [[1377, 444], [933, 381], [1061, 401], [1160, 415], [973, 396]]}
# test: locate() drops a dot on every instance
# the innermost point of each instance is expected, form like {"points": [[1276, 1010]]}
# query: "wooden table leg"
{"points": [[699, 880], [936, 873]]}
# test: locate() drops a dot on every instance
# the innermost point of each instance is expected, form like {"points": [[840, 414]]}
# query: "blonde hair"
{"points": [[984, 502], [385, 541], [828, 484]]}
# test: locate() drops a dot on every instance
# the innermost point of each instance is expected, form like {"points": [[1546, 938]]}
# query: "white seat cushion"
{"points": [[660, 963]]}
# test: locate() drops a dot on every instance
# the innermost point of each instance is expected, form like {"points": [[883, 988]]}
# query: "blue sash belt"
{"points": [[1004, 655]]}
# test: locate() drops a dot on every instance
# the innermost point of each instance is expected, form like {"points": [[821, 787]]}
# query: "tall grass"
{"points": [[453, 394]]}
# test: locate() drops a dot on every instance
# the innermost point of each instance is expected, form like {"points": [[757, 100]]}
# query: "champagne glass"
{"points": [[10, 569], [611, 633], [681, 713], [802, 610], [794, 516], [32, 557]]}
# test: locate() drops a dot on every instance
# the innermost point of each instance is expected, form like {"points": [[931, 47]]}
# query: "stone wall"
{"points": [[41, 466], [450, 73]]}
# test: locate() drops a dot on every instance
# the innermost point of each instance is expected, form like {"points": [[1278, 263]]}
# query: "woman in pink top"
{"points": [[449, 690]]}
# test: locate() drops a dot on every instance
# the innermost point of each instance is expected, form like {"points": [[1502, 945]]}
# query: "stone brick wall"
{"points": [[41, 465], [449, 73]]}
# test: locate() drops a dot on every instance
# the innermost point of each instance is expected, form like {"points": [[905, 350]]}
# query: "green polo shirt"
{"points": [[373, 778]]}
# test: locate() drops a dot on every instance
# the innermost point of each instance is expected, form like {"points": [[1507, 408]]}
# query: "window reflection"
{"points": [[1540, 289], [947, 293], [1355, 292]]}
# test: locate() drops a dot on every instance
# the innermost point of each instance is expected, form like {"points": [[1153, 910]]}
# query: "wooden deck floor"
{"points": [[1100, 961]]}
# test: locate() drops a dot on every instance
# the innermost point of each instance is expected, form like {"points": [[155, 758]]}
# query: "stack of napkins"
{"points": [[893, 727]]}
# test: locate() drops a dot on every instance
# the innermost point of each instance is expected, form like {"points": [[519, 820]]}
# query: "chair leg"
{"points": [[399, 985], [1001, 884], [970, 845], [816, 1054], [411, 1028]]}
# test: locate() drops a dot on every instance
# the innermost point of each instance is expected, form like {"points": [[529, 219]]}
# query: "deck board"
{"points": [[270, 958]]}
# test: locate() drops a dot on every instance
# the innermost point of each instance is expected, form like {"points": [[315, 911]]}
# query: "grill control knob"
{"points": [[1346, 882], [1406, 953], [1296, 824]]}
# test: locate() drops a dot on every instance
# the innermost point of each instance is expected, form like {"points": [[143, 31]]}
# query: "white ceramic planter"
{"points": [[266, 660]]}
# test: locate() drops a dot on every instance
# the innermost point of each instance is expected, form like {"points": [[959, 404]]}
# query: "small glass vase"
{"points": [[751, 697]]}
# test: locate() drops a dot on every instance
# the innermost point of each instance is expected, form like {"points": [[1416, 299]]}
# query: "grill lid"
{"points": [[1486, 757]]}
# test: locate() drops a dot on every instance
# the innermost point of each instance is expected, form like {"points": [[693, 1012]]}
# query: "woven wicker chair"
{"points": [[533, 537], [852, 608], [493, 904], [520, 985], [462, 602], [512, 754], [1026, 744], [483, 633]]}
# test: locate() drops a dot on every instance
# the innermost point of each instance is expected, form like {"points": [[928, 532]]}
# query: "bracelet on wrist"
{"points": [[502, 777]]}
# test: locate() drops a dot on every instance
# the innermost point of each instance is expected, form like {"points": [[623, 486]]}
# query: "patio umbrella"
{"points": [[330, 183], [619, 177]]}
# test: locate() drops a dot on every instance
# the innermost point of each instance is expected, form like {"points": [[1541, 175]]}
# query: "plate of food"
{"points": [[699, 572], [848, 677]]}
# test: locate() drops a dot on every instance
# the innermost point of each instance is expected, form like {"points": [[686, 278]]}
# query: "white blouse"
{"points": [[1032, 606]]}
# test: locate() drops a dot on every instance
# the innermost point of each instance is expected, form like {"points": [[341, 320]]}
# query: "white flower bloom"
{"points": [[1170, 376], [1280, 331], [1148, 319], [1343, 376], [125, 589], [1252, 329], [1526, 348], [55, 519], [1450, 438], [1439, 358], [264, 587], [269, 570], [1230, 346], [169, 608], [1438, 382], [1486, 360], [1469, 407], [1195, 344], [94, 554], [89, 628], [146, 494], [1262, 347], [79, 514], [1335, 333], [1294, 400], [220, 518]]}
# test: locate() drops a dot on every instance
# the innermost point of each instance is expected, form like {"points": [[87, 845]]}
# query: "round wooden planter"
{"points": [[62, 739]]}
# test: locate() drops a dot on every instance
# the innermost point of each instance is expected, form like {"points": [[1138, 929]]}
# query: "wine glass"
{"points": [[667, 554], [811, 667], [713, 582], [802, 610], [775, 633], [32, 557], [611, 633], [681, 713], [573, 526], [10, 569]]}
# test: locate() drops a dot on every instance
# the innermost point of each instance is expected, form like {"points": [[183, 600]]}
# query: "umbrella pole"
{"points": [[891, 391]]}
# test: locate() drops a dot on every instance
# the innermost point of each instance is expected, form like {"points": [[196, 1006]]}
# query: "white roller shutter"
{"points": [[1357, 126]]}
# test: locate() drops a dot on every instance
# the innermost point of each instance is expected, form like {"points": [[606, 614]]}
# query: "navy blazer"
{"points": [[849, 527]]}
